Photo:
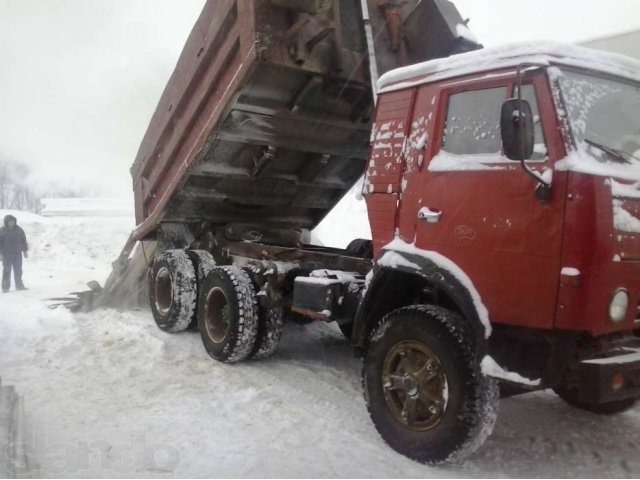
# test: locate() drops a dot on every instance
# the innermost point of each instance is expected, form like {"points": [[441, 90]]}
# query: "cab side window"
{"points": [[473, 122]]}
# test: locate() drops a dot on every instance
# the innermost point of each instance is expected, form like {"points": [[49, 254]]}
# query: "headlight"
{"points": [[619, 305]]}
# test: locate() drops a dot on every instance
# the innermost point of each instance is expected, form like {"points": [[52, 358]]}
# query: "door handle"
{"points": [[429, 215]]}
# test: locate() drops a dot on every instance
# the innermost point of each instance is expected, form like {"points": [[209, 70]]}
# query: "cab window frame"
{"points": [[473, 85]]}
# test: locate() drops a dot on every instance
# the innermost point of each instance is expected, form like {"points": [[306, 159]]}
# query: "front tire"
{"points": [[228, 314], [172, 291], [424, 387]]}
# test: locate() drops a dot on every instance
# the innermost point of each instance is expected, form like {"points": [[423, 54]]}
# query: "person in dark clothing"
{"points": [[13, 244]]}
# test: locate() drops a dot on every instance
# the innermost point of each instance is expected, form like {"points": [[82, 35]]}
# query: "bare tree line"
{"points": [[15, 193], [18, 193]]}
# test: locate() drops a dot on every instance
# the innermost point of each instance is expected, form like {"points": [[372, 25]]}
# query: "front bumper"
{"points": [[609, 379]]}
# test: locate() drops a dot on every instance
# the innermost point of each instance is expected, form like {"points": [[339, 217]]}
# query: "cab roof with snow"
{"points": [[508, 56]]}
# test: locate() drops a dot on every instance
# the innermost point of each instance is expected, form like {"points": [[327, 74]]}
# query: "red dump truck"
{"points": [[502, 188]]}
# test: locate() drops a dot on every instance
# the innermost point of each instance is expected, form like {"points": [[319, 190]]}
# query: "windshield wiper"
{"points": [[620, 155]]}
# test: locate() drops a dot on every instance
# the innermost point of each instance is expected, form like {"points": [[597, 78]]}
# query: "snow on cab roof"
{"points": [[512, 55]]}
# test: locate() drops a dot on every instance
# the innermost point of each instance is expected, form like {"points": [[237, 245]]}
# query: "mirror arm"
{"points": [[523, 162], [533, 174]]}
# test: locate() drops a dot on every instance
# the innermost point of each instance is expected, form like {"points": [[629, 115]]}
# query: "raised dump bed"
{"points": [[266, 119]]}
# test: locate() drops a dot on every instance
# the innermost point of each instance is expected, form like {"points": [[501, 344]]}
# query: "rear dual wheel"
{"points": [[187, 290], [173, 290], [270, 325], [203, 263], [232, 324], [174, 281], [228, 314]]}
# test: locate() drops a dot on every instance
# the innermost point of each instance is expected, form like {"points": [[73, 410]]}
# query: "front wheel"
{"points": [[424, 388]]}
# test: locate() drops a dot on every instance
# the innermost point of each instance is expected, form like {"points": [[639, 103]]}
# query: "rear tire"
{"points": [[424, 387], [609, 408], [203, 263], [270, 328], [173, 291], [228, 314]]}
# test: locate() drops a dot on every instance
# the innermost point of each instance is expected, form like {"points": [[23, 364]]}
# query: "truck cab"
{"points": [[540, 249]]}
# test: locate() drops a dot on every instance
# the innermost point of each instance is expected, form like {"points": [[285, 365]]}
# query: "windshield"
{"points": [[604, 116]]}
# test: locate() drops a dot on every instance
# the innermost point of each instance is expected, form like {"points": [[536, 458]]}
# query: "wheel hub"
{"points": [[216, 315], [414, 385], [163, 291], [410, 385]]}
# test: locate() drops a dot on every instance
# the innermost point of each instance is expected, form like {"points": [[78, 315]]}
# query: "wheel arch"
{"points": [[416, 280]]}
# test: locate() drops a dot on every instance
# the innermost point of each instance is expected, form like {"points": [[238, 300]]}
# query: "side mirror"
{"points": [[516, 125]]}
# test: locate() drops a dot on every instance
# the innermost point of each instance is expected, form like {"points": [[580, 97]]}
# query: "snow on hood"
{"points": [[510, 55], [581, 161]]}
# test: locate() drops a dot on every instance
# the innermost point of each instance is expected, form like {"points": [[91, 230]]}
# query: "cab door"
{"points": [[490, 222]]}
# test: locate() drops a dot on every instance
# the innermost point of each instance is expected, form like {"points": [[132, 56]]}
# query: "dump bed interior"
{"points": [[266, 118]]}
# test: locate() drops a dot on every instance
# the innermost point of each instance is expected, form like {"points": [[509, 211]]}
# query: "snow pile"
{"points": [[491, 368], [23, 320]]}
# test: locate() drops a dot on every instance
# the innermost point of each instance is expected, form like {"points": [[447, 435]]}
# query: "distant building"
{"points": [[627, 43]]}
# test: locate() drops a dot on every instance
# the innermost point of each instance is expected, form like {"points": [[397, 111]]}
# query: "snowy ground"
{"points": [[108, 394]]}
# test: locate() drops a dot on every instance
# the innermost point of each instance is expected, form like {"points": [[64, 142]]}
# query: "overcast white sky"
{"points": [[79, 79]]}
